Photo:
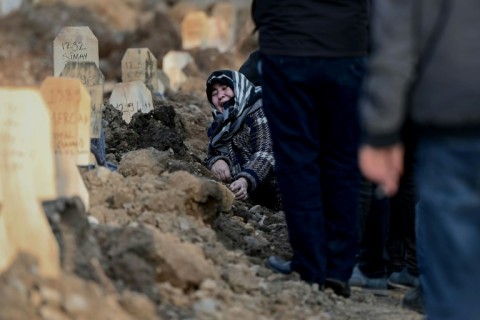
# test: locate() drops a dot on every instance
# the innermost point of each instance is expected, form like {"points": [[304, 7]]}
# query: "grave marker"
{"points": [[222, 27], [69, 105], [173, 64], [93, 80], [26, 177], [195, 27], [74, 44], [140, 65], [131, 97]]}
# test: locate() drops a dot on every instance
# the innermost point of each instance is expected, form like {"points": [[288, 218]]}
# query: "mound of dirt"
{"points": [[162, 239]]}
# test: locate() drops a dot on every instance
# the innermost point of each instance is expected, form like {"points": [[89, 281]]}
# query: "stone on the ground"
{"points": [[144, 161]]}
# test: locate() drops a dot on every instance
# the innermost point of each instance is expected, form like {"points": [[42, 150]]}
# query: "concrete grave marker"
{"points": [[93, 80], [26, 177], [74, 44], [140, 65], [195, 30], [131, 97], [222, 27], [69, 105], [173, 64]]}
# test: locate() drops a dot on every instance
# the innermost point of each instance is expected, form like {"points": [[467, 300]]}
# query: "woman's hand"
{"points": [[221, 170], [239, 187]]}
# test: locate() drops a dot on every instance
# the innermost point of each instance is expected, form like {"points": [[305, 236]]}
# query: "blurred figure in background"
{"points": [[425, 67], [312, 56]]}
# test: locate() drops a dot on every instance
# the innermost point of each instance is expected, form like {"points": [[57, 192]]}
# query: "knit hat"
{"points": [[220, 76]]}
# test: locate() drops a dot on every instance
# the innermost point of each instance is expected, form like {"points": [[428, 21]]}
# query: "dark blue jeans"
{"points": [[448, 226], [98, 148], [311, 107]]}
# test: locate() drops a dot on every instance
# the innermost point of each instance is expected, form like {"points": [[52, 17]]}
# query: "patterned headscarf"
{"points": [[247, 99]]}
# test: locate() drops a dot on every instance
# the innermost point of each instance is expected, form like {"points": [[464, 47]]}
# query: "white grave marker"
{"points": [[69, 104], [222, 27], [131, 97], [26, 176], [74, 44], [140, 65], [195, 30], [93, 80], [173, 64]]}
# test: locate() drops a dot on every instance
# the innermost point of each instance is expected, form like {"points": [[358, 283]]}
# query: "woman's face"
{"points": [[221, 93]]}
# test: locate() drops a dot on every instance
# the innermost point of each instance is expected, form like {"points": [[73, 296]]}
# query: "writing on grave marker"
{"points": [[13, 152], [26, 176], [77, 44], [19, 110], [139, 64], [131, 97], [69, 105], [93, 80]]}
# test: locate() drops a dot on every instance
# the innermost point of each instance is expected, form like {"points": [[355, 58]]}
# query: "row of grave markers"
{"points": [[215, 31], [46, 133]]}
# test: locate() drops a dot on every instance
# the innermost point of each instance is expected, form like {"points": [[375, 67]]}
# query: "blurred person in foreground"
{"points": [[240, 147], [425, 67], [312, 56]]}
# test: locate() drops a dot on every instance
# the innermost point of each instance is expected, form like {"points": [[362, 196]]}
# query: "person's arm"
{"points": [[261, 162], [383, 105], [391, 72]]}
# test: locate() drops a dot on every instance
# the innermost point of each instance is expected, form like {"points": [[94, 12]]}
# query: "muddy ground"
{"points": [[162, 238]]}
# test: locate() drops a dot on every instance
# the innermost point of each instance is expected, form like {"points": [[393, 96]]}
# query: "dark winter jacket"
{"points": [[312, 28], [428, 48]]}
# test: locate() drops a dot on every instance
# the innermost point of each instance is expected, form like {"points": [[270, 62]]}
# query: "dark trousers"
{"points": [[387, 227], [311, 107], [401, 245], [374, 222]]}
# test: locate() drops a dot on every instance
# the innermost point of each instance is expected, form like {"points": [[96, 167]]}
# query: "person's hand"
{"points": [[383, 166], [221, 170], [239, 188]]}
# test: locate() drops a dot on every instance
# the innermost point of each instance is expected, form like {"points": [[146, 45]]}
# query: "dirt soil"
{"points": [[162, 238]]}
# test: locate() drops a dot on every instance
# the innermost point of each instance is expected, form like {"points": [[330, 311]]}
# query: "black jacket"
{"points": [[314, 28]]}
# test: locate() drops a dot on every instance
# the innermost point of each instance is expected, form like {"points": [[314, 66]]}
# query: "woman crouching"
{"points": [[240, 147]]}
